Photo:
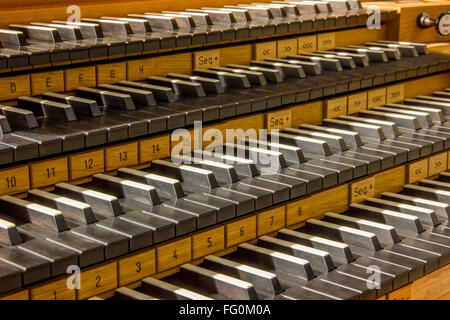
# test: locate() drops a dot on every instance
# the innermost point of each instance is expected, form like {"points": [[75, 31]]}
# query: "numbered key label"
{"points": [[376, 98], [336, 107], [240, 231], [417, 170], [395, 93]]}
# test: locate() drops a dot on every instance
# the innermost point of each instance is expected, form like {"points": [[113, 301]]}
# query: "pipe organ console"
{"points": [[288, 150]]}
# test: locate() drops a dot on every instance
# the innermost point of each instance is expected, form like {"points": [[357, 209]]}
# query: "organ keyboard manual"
{"points": [[224, 150]]}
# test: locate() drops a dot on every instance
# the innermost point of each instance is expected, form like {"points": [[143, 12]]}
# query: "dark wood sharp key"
{"points": [[367, 240], [161, 93], [6, 152], [339, 252], [249, 173], [427, 216], [49, 109], [81, 107], [320, 261], [200, 178], [386, 234], [25, 127], [32, 267], [129, 294], [270, 163], [227, 203], [45, 217], [427, 193], [107, 98], [262, 192], [139, 96], [101, 202], [337, 145], [76, 211], [93, 135], [41, 125]]}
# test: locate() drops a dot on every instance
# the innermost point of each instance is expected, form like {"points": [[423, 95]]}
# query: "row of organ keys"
{"points": [[60, 41], [58, 122], [402, 236], [41, 235]]}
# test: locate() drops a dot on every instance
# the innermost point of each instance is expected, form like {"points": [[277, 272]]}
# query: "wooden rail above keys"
{"points": [[164, 259]]}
